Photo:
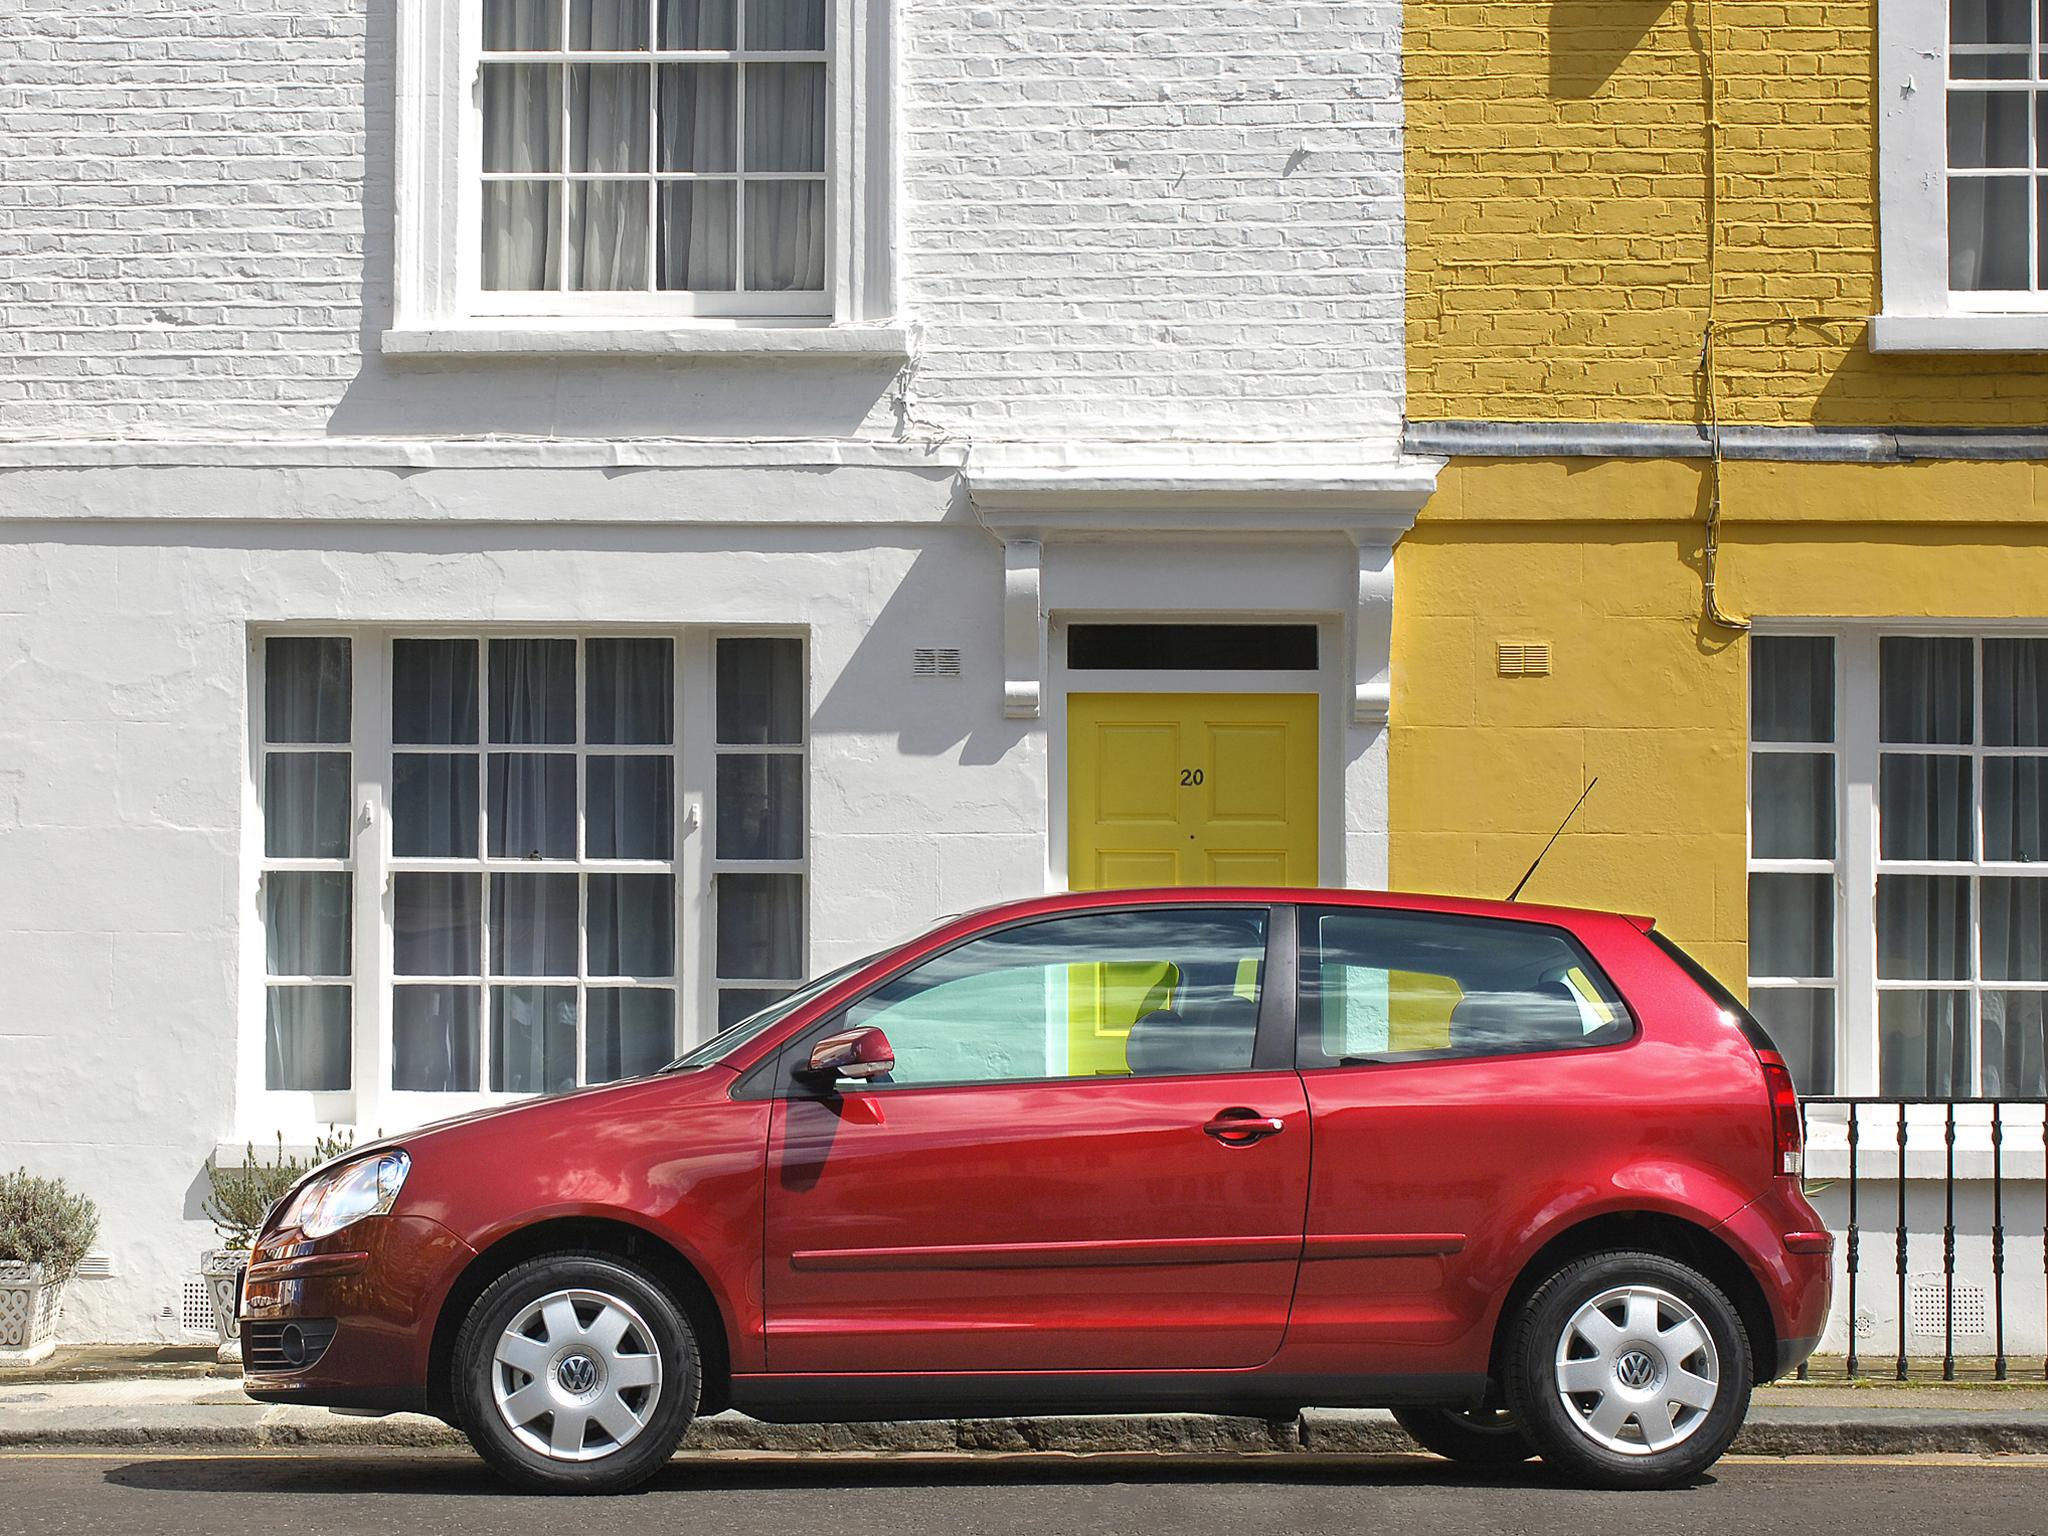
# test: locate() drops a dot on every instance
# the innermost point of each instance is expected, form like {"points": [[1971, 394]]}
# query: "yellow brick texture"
{"points": [[1559, 214]]}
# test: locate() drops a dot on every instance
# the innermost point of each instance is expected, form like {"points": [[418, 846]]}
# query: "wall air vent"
{"points": [[935, 661], [1523, 658], [97, 1266]]}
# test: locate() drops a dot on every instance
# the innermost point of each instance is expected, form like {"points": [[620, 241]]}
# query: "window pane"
{"points": [[2011, 1054], [607, 240], [1923, 927], [1801, 1023], [533, 691], [631, 1032], [699, 117], [631, 692], [785, 118], [608, 26], [1152, 993], [786, 24], [689, 24], [1792, 805], [1791, 688], [306, 799], [433, 692], [630, 812], [533, 805], [433, 805], [761, 807], [520, 251], [785, 236], [533, 925], [306, 922], [1791, 925], [434, 1039], [1988, 234], [1923, 1044], [1995, 64], [521, 25], [2015, 930], [737, 1003], [761, 927], [760, 692], [1927, 687], [2016, 689], [1988, 21], [522, 111], [306, 1039], [1988, 128], [1924, 807], [533, 1039], [632, 925], [2016, 809], [1392, 983], [306, 690], [608, 118], [437, 924], [696, 236]]}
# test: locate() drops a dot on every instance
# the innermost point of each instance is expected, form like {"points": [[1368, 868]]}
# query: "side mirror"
{"points": [[856, 1053]]}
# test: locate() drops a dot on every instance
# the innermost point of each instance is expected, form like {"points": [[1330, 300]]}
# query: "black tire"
{"points": [[1568, 1436], [1482, 1437], [655, 1326]]}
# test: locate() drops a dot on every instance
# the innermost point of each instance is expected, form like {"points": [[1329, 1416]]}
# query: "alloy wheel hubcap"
{"points": [[576, 1376], [1637, 1371]]}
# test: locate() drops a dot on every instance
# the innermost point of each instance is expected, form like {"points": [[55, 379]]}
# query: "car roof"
{"points": [[1406, 901]]}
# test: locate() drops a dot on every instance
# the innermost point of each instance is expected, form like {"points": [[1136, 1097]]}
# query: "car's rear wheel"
{"points": [[1479, 1437], [1629, 1370], [576, 1373]]}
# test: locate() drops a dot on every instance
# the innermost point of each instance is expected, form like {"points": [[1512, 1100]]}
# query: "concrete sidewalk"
{"points": [[171, 1402]]}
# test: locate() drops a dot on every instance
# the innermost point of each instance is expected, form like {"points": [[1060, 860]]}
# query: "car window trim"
{"points": [[774, 1077]]}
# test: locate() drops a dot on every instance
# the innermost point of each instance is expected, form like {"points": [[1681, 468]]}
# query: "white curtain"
{"points": [[434, 1039], [632, 928], [533, 1039]]}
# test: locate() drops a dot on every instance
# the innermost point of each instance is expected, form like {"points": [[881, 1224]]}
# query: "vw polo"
{"points": [[1528, 1176]]}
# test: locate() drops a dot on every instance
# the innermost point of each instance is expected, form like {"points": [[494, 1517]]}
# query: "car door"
{"points": [[1092, 1154]]}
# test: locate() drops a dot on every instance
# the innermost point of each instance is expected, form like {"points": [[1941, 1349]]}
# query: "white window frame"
{"points": [[1857, 864], [1921, 313], [370, 1103], [439, 305]]}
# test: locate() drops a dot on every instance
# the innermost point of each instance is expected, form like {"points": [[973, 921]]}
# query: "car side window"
{"points": [[1145, 992], [1380, 985]]}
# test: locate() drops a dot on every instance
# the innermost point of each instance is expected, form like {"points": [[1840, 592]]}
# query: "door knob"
{"points": [[1242, 1127]]}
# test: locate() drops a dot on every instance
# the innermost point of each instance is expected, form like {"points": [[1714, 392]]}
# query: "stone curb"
{"points": [[1810, 1432]]}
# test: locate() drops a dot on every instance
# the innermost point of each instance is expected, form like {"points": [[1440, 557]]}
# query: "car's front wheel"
{"points": [[1480, 1437], [1629, 1370], [576, 1373]]}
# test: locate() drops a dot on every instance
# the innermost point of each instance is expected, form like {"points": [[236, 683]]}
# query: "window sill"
{"points": [[2021, 332], [794, 343]]}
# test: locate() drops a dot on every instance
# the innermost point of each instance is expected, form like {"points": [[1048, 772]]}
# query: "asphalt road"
{"points": [[333, 1493]]}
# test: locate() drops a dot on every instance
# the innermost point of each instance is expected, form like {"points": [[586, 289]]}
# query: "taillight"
{"points": [[1785, 1130]]}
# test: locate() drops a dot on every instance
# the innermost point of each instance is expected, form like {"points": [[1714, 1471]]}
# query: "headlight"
{"points": [[342, 1196]]}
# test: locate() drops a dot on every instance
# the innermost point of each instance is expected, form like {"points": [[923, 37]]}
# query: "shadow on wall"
{"points": [[951, 596], [603, 397], [1589, 39]]}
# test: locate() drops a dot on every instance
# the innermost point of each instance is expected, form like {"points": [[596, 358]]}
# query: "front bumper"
{"points": [[379, 1284]]}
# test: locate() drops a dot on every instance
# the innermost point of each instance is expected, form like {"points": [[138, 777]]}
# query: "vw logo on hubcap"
{"points": [[577, 1374], [1635, 1370]]}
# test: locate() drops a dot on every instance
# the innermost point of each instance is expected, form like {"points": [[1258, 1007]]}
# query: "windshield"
{"points": [[728, 1040]]}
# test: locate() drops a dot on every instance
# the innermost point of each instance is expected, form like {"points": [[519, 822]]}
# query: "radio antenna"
{"points": [[1568, 815]]}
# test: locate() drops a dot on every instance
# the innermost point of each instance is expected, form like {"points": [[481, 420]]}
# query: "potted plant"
{"points": [[239, 1201], [45, 1231]]}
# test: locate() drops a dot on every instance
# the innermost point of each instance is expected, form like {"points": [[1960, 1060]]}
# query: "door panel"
{"points": [[1192, 789], [1089, 1224]]}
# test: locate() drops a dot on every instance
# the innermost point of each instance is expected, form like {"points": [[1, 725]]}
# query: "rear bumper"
{"points": [[1792, 1257], [380, 1283]]}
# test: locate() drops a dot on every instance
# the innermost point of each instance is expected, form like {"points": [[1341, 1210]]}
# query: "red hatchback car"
{"points": [[1528, 1176]]}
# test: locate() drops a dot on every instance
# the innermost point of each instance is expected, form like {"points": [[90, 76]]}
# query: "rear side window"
{"points": [[1404, 986]]}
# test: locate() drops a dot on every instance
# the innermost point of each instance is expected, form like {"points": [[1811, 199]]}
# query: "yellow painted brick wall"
{"points": [[1599, 559], [1558, 218]]}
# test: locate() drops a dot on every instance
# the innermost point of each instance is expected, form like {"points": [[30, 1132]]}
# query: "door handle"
{"points": [[1242, 1127]]}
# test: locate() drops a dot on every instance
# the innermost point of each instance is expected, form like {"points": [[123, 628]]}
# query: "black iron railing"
{"points": [[1907, 1125]]}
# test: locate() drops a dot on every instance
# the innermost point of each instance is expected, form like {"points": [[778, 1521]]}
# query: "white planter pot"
{"points": [[29, 1304], [221, 1267]]}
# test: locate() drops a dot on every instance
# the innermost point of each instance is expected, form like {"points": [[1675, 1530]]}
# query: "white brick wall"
{"points": [[1148, 221]]}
